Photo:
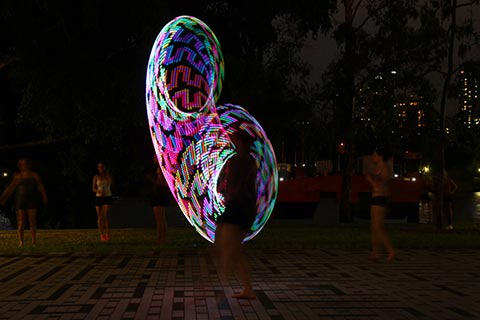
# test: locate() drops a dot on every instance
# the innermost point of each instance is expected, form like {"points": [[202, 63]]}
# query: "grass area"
{"points": [[274, 236]]}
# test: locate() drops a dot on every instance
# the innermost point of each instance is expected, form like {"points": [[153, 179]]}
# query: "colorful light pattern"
{"points": [[191, 135]]}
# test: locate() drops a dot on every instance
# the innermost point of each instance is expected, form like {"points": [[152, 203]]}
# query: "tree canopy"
{"points": [[73, 74]]}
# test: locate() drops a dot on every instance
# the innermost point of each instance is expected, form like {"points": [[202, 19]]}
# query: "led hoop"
{"points": [[184, 47], [236, 118], [190, 136]]}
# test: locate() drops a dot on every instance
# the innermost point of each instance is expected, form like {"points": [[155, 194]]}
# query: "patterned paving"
{"points": [[306, 284]]}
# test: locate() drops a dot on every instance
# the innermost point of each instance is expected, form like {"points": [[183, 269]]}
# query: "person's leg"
{"points": [[159, 213], [243, 270], [383, 238], [374, 233], [20, 225], [233, 236], [222, 253], [450, 215], [32, 220], [100, 222], [428, 207], [106, 223]]}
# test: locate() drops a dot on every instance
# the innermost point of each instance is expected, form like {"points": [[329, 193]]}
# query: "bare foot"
{"points": [[245, 295], [373, 257], [391, 256]]}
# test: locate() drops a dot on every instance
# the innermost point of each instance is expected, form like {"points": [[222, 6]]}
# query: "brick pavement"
{"points": [[183, 284]]}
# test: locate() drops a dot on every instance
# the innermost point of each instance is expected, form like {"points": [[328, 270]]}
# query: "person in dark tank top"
{"points": [[28, 189]]}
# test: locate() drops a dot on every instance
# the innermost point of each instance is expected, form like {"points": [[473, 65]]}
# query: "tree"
{"points": [[374, 38], [78, 71], [263, 70], [441, 17], [413, 38]]}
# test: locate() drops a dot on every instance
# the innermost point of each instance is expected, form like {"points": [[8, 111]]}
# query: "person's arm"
{"points": [[8, 190], [372, 173], [113, 187], [377, 178], [454, 187], [41, 188], [372, 178], [222, 179], [368, 177], [94, 184]]}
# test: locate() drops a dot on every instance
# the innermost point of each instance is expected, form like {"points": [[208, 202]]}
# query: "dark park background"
{"points": [[72, 83]]}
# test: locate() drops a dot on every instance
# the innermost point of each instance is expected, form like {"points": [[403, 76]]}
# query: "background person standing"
{"points": [[26, 186], [449, 188], [159, 198], [102, 184]]}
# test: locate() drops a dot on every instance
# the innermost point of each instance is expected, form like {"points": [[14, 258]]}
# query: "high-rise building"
{"points": [[410, 111], [408, 107], [469, 110]]}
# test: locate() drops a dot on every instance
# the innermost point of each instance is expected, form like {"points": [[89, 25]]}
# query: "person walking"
{"points": [[26, 186], [379, 178], [102, 187]]}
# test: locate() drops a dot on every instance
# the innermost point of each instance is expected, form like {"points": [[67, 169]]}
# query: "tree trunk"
{"points": [[438, 208], [345, 213]]}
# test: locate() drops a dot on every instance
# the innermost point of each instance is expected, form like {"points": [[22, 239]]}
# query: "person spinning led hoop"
{"points": [[191, 135]]}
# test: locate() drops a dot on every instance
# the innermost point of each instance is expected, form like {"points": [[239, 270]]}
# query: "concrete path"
{"points": [[183, 284]]}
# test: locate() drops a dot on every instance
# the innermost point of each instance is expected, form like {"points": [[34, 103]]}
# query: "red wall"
{"points": [[309, 189]]}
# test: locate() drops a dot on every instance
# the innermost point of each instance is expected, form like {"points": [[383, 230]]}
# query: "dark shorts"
{"points": [[26, 201], [102, 201], [239, 213], [381, 201], [26, 204]]}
